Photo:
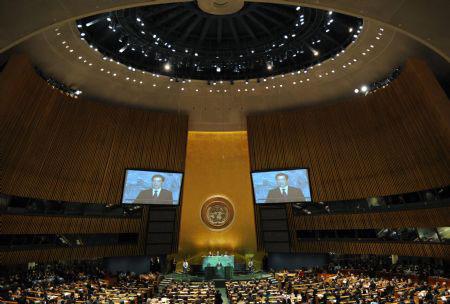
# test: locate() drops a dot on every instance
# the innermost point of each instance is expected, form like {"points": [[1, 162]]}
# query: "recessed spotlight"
{"points": [[167, 66], [356, 91], [364, 88]]}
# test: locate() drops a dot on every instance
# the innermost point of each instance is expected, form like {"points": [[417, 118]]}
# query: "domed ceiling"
{"points": [[180, 40], [84, 55]]}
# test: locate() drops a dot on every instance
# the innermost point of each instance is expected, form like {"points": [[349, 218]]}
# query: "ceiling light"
{"points": [[364, 88], [167, 66], [122, 49]]}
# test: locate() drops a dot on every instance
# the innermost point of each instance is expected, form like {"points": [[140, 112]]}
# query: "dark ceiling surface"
{"points": [[181, 41]]}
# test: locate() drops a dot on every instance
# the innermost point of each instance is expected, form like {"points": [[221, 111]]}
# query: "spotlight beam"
{"points": [[93, 22]]}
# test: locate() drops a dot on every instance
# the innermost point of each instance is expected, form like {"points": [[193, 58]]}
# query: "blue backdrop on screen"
{"points": [[268, 190], [139, 188]]}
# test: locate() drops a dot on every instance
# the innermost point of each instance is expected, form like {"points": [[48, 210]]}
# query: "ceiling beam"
{"points": [[219, 30], [233, 30], [169, 17], [204, 31], [261, 25], [191, 27], [180, 22], [162, 9], [247, 28], [267, 17], [278, 11]]}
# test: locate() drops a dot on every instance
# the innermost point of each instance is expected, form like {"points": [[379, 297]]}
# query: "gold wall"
{"points": [[217, 163]]}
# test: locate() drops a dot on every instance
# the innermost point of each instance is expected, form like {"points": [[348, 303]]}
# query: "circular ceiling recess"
{"points": [[182, 41], [220, 7]]}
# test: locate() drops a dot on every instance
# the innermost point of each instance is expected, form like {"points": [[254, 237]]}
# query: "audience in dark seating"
{"points": [[370, 281], [81, 284]]}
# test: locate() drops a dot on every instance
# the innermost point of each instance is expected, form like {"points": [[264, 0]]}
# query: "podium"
{"points": [[218, 267], [228, 272]]}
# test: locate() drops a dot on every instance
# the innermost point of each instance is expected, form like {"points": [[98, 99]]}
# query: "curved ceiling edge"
{"points": [[401, 16]]}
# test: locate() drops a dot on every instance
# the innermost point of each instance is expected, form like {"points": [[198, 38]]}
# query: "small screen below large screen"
{"points": [[151, 187], [281, 186]]}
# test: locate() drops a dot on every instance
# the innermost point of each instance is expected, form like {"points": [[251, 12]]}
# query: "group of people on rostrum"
{"points": [[335, 283]]}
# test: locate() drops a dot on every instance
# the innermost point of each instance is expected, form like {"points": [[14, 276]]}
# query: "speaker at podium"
{"points": [[228, 272], [210, 273]]}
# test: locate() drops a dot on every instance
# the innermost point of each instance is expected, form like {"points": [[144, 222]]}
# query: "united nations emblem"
{"points": [[217, 213]]}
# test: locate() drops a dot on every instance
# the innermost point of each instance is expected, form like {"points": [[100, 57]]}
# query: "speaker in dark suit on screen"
{"points": [[284, 193], [155, 195]]}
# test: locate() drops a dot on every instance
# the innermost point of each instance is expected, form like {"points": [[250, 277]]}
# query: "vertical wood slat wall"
{"points": [[36, 224], [419, 218], [65, 254], [402, 249], [58, 148], [393, 141]]}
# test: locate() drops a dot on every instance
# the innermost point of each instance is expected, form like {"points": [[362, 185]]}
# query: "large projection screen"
{"points": [[281, 186], [151, 187]]}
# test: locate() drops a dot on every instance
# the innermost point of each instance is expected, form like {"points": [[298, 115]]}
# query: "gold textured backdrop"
{"points": [[217, 163]]}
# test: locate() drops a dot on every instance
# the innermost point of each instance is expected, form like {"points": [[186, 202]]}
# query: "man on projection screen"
{"points": [[155, 195], [284, 193]]}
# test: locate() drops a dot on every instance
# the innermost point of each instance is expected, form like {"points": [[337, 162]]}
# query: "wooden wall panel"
{"points": [[54, 147], [395, 140], [60, 148], [31, 224], [65, 254], [401, 249], [419, 218]]}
